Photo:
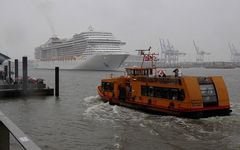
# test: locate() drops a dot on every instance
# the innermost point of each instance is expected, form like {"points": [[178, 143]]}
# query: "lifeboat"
{"points": [[186, 96]]}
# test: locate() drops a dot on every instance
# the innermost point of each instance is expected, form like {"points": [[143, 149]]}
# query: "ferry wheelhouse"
{"points": [[188, 96]]}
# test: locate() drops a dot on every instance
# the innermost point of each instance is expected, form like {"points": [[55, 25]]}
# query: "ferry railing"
{"points": [[7, 128]]}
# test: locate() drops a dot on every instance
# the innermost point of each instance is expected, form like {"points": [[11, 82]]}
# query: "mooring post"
{"points": [[56, 81], [5, 72], [25, 73], [4, 137], [9, 71], [16, 69]]}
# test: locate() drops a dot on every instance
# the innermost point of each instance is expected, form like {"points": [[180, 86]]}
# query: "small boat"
{"points": [[187, 96]]}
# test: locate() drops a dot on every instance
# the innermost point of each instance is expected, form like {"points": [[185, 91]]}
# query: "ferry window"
{"points": [[136, 72], [181, 95], [144, 90], [147, 91], [166, 93], [176, 94], [157, 92], [128, 72], [173, 94], [208, 94], [107, 86], [145, 72], [150, 70], [139, 72], [161, 92], [133, 72], [151, 91]]}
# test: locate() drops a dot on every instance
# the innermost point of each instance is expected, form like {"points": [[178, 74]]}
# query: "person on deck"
{"points": [[177, 72]]}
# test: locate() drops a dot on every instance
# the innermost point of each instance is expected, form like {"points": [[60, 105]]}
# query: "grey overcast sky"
{"points": [[25, 24]]}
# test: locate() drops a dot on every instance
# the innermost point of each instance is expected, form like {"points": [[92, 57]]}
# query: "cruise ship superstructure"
{"points": [[85, 51]]}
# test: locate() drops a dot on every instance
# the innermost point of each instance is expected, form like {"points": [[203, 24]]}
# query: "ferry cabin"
{"points": [[189, 96]]}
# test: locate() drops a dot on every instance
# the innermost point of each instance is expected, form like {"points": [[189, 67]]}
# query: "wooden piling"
{"points": [[56, 81], [25, 73], [16, 68], [9, 71], [5, 72]]}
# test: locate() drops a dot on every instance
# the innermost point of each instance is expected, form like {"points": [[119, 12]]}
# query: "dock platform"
{"points": [[16, 90], [20, 92], [22, 86]]}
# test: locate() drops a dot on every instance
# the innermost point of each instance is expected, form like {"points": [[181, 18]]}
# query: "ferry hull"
{"points": [[165, 111], [187, 113], [92, 62]]}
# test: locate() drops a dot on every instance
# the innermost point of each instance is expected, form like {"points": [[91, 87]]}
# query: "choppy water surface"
{"points": [[79, 120]]}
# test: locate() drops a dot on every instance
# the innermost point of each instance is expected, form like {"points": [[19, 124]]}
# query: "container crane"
{"points": [[235, 55], [200, 54], [169, 55]]}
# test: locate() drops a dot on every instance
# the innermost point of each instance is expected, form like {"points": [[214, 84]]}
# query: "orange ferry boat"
{"points": [[187, 96]]}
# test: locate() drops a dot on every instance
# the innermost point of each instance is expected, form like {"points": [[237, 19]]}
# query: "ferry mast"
{"points": [[147, 56]]}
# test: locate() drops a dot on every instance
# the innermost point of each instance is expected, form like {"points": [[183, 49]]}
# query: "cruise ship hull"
{"points": [[91, 62]]}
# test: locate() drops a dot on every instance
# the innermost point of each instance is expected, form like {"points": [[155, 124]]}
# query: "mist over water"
{"points": [[45, 9], [78, 119], [213, 24]]}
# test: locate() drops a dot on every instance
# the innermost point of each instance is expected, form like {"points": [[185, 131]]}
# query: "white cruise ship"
{"points": [[85, 51]]}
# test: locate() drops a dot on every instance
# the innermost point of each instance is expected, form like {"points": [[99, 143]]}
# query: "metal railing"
{"points": [[7, 127]]}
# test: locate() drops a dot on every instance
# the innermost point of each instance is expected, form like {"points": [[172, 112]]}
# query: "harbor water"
{"points": [[79, 120]]}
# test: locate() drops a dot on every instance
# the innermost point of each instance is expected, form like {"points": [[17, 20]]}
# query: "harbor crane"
{"points": [[200, 54], [235, 54], [169, 55]]}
